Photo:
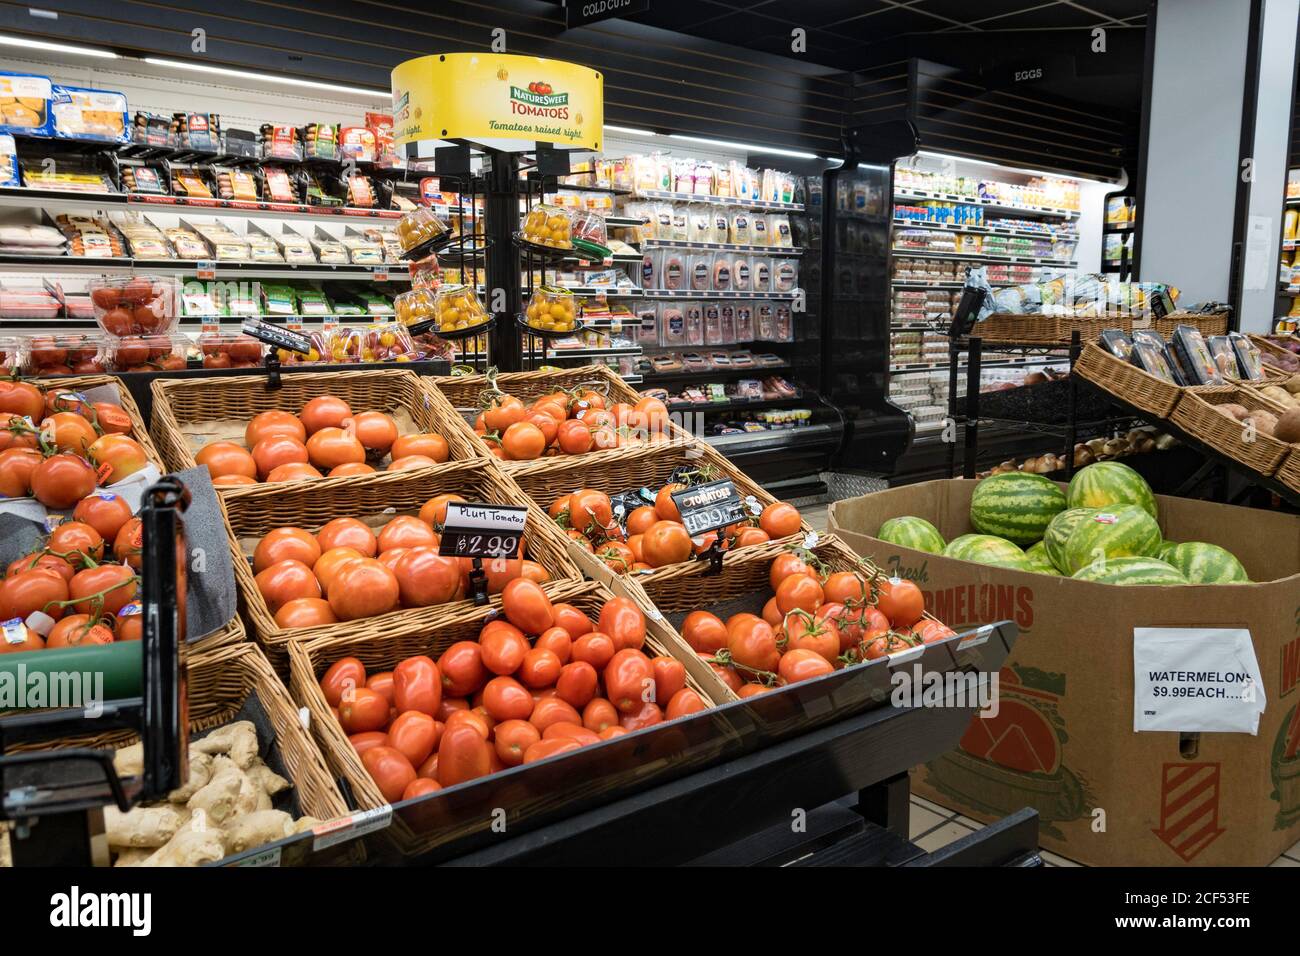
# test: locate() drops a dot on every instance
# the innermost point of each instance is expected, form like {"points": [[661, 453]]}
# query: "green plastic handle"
{"points": [[69, 676]]}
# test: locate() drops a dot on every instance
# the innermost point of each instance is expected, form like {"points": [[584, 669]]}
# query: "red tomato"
{"points": [[503, 647], [572, 620], [664, 543], [270, 453], [286, 581], [367, 741], [557, 641], [550, 748], [523, 441], [293, 471], [434, 511], [623, 621], [286, 544], [799, 591], [596, 649], [800, 664], [704, 631], [78, 630], [330, 447], [577, 683], [512, 740], [364, 709], [273, 424], [780, 519], [419, 787], [348, 533], [413, 735], [345, 674], [930, 631], [305, 612], [225, 458], [34, 590], [424, 577], [629, 680], [573, 437], [431, 446], [752, 643], [900, 600], [563, 730], [324, 411], [647, 715], [417, 685], [383, 683], [462, 755], [845, 587], [665, 507], [504, 698], [104, 511], [363, 588], [527, 606], [329, 562], [599, 714], [784, 565], [406, 531], [391, 771], [375, 430], [684, 702], [669, 676], [76, 538], [461, 666], [540, 668], [552, 710], [806, 632], [61, 480]]}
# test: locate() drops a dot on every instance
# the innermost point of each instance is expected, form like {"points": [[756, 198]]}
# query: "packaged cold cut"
{"points": [[693, 313], [673, 272], [762, 270], [745, 322], [739, 230], [700, 272], [1194, 358], [727, 311], [672, 324], [741, 277], [785, 275], [722, 272], [81, 113], [712, 313]]}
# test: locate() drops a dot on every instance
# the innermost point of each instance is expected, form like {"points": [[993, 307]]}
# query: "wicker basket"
{"points": [[463, 391], [1197, 416], [1265, 344], [1209, 323], [184, 409], [378, 498], [309, 660], [1127, 382], [1041, 329], [139, 430], [232, 633], [220, 681], [1288, 473]]}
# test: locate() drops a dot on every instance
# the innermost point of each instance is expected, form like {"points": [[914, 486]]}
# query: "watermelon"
{"points": [[1039, 562], [1131, 571], [1163, 552], [982, 549], [1127, 531], [911, 532], [1016, 506], [1203, 563], [1109, 483], [1058, 532]]}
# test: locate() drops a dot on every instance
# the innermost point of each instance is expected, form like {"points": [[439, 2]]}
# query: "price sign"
{"points": [[482, 531], [276, 336], [708, 507], [206, 270]]}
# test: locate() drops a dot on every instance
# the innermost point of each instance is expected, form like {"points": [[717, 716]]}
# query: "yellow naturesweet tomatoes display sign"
{"points": [[479, 96]]}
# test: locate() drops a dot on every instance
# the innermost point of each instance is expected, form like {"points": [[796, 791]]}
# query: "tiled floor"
{"points": [[933, 826]]}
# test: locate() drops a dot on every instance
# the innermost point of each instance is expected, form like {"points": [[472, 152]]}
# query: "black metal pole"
{"points": [[971, 452], [949, 433], [501, 282], [1072, 391]]}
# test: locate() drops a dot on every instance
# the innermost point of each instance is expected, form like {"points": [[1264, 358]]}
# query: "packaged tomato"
{"points": [[135, 305], [552, 309], [547, 225], [11, 358], [421, 229], [230, 350], [589, 234], [65, 353], [146, 353], [458, 308], [418, 305]]}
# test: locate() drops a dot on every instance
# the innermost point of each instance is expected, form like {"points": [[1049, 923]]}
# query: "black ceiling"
{"points": [[841, 33]]}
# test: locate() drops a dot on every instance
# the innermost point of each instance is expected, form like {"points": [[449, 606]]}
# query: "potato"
{"points": [[1288, 426], [1264, 421], [1232, 410], [1292, 385], [1277, 394]]}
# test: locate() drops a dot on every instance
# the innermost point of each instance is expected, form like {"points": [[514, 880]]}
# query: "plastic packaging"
{"points": [[547, 225], [761, 266], [25, 103], [723, 269], [419, 227], [230, 350], [700, 272], [425, 273], [727, 312], [693, 314], [458, 308], [712, 313], [552, 309], [64, 353], [135, 305], [785, 275], [588, 233], [742, 274], [148, 353], [672, 324], [674, 270], [744, 321], [418, 305]]}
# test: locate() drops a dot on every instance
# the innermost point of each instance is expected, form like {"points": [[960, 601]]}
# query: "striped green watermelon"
{"points": [[1131, 571], [1127, 531], [1203, 563], [1058, 532], [982, 549], [1038, 559], [1016, 506], [1108, 483], [912, 532], [1165, 549]]}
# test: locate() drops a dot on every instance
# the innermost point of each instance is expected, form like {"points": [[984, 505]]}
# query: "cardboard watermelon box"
{"points": [[1063, 740]]}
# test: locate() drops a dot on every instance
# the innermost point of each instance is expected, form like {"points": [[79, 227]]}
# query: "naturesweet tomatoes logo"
{"points": [[539, 99]]}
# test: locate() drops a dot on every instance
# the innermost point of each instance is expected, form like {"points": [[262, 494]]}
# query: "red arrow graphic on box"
{"points": [[1189, 807]]}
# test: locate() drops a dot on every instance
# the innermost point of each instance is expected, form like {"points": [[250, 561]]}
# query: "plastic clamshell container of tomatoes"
{"points": [[230, 350], [147, 353], [547, 225], [590, 237], [457, 308], [552, 309], [420, 231], [11, 354], [66, 353], [418, 305], [135, 305]]}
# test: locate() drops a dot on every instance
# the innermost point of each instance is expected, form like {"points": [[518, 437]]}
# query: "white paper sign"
{"points": [[1190, 679]]}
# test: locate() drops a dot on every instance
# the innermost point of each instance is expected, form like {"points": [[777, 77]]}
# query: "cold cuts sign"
{"points": [[578, 13]]}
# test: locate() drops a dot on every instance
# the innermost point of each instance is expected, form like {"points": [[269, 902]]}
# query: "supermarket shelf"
{"points": [[571, 187], [591, 353], [986, 230], [750, 442], [983, 257], [987, 204], [721, 247], [628, 258], [922, 284], [690, 294], [935, 326], [628, 221], [1293, 200], [709, 374], [734, 405], [611, 292], [920, 368], [1118, 227], [1290, 243], [81, 265], [721, 201]]}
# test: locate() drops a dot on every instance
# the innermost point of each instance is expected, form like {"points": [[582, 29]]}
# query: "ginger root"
{"points": [[200, 774], [216, 799], [192, 846], [143, 826], [239, 740], [129, 761], [131, 856], [266, 778], [254, 829]]}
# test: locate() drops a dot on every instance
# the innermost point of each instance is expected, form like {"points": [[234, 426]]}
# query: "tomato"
{"points": [[22, 398], [284, 581], [574, 437], [39, 559], [117, 457], [376, 431], [419, 787], [746, 537], [557, 641], [512, 740], [550, 748], [61, 480], [283, 544], [780, 520], [523, 441], [391, 771], [405, 531], [806, 632], [351, 468], [771, 613], [348, 533], [670, 677], [888, 643], [450, 705], [17, 466], [68, 431], [900, 600], [76, 536], [129, 543], [629, 680], [112, 418], [559, 510], [666, 542], [462, 755], [504, 698], [623, 621], [704, 631], [78, 630], [800, 664], [429, 769], [751, 642], [685, 701], [599, 714], [328, 564], [572, 620], [410, 463], [305, 612], [16, 432], [272, 424], [270, 453], [461, 666], [363, 709], [413, 734], [591, 513], [293, 471], [330, 447], [586, 399], [226, 458], [563, 730], [665, 508], [104, 511], [231, 481], [431, 446], [324, 411], [552, 408], [109, 586], [646, 715], [653, 414], [930, 631], [368, 740], [845, 587], [799, 591], [363, 588], [417, 685], [616, 555], [27, 640], [34, 590], [434, 511], [725, 673], [503, 647], [577, 683], [553, 710], [784, 565], [596, 649], [527, 606], [540, 668], [476, 718], [502, 412], [383, 684]]}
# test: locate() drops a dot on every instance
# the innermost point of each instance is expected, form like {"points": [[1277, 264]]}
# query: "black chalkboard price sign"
{"points": [[276, 336], [482, 531], [709, 506]]}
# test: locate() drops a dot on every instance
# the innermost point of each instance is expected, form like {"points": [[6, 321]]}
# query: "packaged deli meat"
{"points": [[25, 103], [1193, 357]]}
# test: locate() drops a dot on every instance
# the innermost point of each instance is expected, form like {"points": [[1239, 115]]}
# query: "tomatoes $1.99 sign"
{"points": [[709, 506], [482, 531]]}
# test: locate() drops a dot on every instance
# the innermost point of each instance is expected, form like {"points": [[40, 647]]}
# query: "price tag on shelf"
{"points": [[276, 336], [710, 506], [379, 273], [205, 270], [482, 531]]}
